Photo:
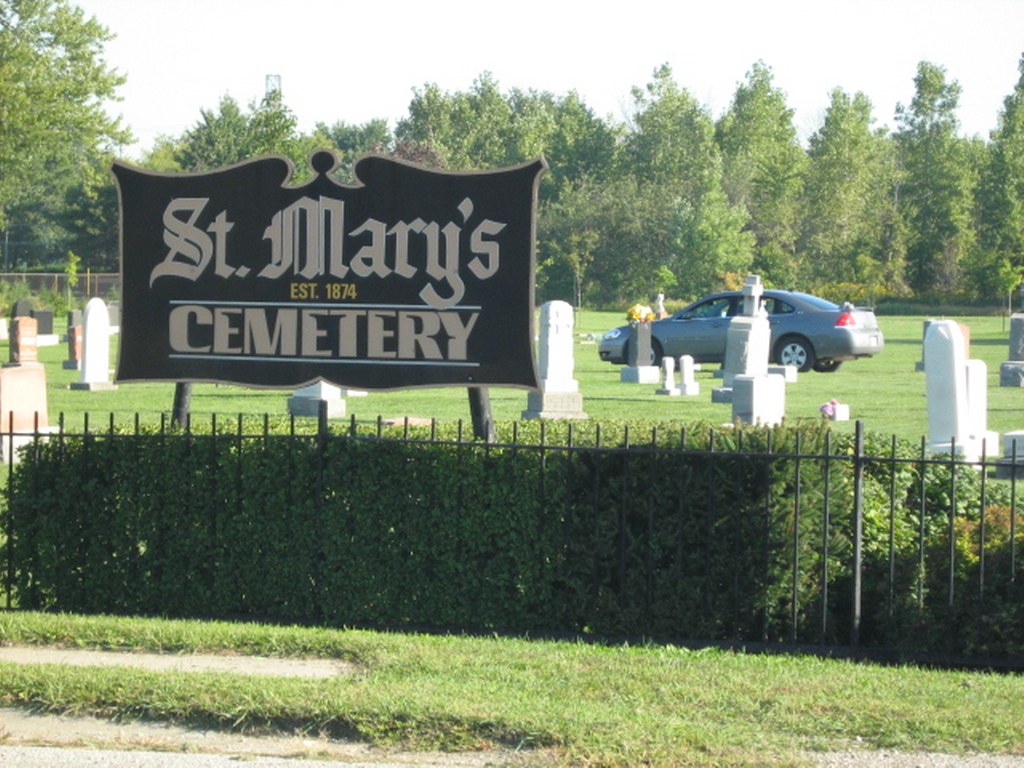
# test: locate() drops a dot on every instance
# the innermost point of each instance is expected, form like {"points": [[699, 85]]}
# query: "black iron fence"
{"points": [[697, 534]]}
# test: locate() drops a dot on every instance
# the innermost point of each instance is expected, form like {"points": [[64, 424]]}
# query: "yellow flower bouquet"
{"points": [[639, 313]]}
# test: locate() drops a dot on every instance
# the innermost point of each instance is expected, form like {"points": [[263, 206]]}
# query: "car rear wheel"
{"points": [[656, 352], [795, 350]]}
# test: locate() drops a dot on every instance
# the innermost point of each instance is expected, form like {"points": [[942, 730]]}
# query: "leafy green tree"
{"points": [[612, 237], [846, 200], [229, 135], [936, 198], [579, 146], [89, 216], [469, 130], [53, 83], [763, 171], [1001, 199], [163, 155], [671, 148], [350, 142]]}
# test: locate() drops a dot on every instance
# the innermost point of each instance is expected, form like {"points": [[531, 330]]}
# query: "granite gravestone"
{"points": [[957, 395], [95, 370], [23, 407], [306, 400], [559, 395]]}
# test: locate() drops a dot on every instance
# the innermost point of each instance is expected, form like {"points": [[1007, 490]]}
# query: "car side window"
{"points": [[714, 308], [777, 306]]}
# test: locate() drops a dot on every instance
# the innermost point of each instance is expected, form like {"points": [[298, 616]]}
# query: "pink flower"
{"points": [[828, 410]]}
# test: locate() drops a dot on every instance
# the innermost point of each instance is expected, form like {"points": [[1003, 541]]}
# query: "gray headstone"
{"points": [[22, 308], [44, 317], [1017, 337], [639, 345]]}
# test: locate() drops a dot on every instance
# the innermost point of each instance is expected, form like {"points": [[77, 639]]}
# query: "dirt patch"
{"points": [[19, 727], [161, 662]]}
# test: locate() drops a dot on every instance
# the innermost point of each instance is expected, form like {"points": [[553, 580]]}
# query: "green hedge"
{"points": [[695, 534]]}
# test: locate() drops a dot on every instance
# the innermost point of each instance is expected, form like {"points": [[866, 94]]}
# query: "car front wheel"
{"points": [[656, 353], [827, 366], [795, 350]]}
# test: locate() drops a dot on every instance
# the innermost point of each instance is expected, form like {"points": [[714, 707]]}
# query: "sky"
{"points": [[352, 62]]}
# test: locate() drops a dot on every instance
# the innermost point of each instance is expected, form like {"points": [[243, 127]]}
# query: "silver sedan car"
{"points": [[808, 332]]}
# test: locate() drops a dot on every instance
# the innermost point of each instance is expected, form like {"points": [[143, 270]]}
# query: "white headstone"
{"points": [[95, 368], [688, 383], [957, 394], [759, 400], [753, 290], [555, 351], [668, 382], [748, 339], [306, 400], [559, 396]]}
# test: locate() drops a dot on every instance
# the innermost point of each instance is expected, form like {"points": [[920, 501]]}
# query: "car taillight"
{"points": [[846, 319]]}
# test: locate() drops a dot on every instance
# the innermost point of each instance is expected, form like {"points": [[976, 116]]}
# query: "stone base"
{"points": [[23, 394], [310, 406], [721, 395], [640, 374], [553, 405], [1007, 469], [93, 386], [759, 400], [1013, 444], [72, 365], [787, 372], [969, 449], [1011, 374], [690, 388], [674, 392]]}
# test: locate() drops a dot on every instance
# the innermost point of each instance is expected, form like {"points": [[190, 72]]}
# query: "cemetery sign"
{"points": [[413, 277]]}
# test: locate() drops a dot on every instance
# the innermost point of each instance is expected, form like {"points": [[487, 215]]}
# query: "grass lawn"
{"points": [[885, 391], [572, 703]]}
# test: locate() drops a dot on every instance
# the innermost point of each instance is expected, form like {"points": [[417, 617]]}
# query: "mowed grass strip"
{"points": [[571, 703]]}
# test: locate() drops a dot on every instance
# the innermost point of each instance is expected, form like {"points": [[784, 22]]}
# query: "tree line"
{"points": [[668, 200]]}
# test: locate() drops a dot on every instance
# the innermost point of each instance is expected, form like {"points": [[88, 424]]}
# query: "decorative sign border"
{"points": [[412, 278]]}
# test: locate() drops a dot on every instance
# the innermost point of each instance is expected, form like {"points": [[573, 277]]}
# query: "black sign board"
{"points": [[413, 277]]}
